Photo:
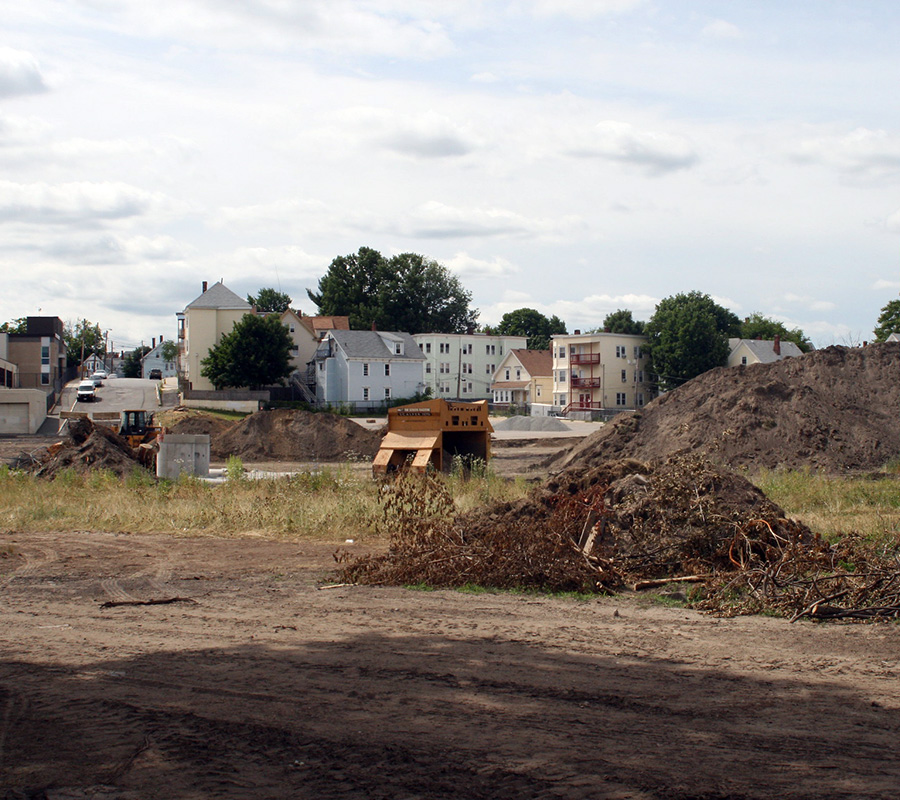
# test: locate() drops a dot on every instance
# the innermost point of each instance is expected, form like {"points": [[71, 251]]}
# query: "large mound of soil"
{"points": [[833, 409], [295, 435], [191, 422]]}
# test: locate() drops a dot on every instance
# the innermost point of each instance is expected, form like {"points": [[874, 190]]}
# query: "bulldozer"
{"points": [[140, 430]]}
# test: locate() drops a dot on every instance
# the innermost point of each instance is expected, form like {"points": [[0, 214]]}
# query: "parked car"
{"points": [[97, 378], [87, 392], [155, 374]]}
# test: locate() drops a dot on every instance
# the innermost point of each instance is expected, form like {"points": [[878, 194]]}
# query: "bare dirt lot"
{"points": [[254, 683]]}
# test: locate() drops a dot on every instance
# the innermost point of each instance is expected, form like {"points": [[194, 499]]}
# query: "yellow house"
{"points": [[201, 326], [523, 377]]}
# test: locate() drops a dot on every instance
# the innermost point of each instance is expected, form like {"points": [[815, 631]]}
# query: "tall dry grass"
{"points": [[832, 505], [328, 505]]}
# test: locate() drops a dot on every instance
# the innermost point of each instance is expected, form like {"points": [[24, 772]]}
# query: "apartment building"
{"points": [[597, 374], [461, 366]]}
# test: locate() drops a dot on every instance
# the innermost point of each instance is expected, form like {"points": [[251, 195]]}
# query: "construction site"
{"points": [[645, 623]]}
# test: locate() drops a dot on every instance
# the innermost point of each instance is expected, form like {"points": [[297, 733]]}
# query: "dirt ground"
{"points": [[255, 683]]}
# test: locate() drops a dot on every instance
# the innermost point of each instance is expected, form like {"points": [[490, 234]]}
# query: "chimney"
{"points": [[154, 343], [777, 345], [204, 286]]}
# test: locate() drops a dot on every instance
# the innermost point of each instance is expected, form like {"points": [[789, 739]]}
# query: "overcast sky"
{"points": [[574, 156]]}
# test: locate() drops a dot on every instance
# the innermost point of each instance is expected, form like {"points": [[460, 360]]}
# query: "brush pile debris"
{"points": [[88, 447], [627, 524]]}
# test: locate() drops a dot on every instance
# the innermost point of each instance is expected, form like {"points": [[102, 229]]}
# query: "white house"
{"points": [[523, 377], [367, 368], [154, 360], [760, 351], [462, 365]]}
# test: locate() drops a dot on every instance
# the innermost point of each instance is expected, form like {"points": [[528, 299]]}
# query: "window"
{"points": [[620, 398], [365, 370], [490, 369], [45, 378], [427, 347], [466, 368], [444, 348], [45, 355], [387, 392], [321, 366], [365, 392], [467, 349], [518, 374], [462, 388], [295, 348], [291, 328], [490, 349], [398, 349], [537, 390], [445, 368], [624, 376], [637, 352], [562, 376], [640, 398], [428, 368], [387, 368], [562, 351], [620, 351], [744, 360]]}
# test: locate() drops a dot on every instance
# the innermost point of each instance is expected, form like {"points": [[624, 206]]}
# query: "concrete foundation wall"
{"points": [[183, 453]]}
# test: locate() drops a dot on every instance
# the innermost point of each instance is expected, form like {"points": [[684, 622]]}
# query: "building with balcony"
{"points": [[597, 375], [461, 366]]}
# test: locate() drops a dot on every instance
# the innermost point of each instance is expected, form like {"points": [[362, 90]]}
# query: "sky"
{"points": [[572, 156]]}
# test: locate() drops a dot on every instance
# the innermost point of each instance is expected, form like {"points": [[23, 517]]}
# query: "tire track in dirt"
{"points": [[36, 558]]}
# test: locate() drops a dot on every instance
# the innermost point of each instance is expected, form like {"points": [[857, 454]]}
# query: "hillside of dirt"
{"points": [[191, 422], [295, 435], [88, 447], [833, 409]]}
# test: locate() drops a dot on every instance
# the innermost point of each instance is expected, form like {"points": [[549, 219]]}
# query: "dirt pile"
{"points": [[191, 422], [89, 447], [833, 409], [296, 435]]}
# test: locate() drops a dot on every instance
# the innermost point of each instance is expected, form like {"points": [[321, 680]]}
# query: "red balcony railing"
{"points": [[586, 383], [585, 358]]}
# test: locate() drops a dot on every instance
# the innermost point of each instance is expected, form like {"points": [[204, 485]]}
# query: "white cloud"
{"points": [[577, 9], [274, 261], [435, 220], [808, 302], [428, 135], [893, 222], [466, 266], [78, 202], [720, 29], [862, 153], [654, 151], [19, 73], [882, 285]]}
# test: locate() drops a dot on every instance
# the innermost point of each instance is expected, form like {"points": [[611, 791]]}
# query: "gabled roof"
{"points": [[371, 344], [764, 349], [220, 296], [537, 363], [317, 324]]}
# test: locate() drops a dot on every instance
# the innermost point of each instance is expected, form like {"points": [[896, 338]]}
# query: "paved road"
{"points": [[116, 394]]}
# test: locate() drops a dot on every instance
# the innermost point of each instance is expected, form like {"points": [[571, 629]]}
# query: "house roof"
{"points": [[764, 349], [220, 296], [510, 385], [332, 323], [371, 344], [537, 363]]}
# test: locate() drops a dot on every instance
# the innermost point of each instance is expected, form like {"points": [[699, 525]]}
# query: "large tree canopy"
{"points": [[688, 335], [888, 321], [407, 292], [254, 354], [622, 321], [756, 326], [533, 324], [270, 300], [131, 366]]}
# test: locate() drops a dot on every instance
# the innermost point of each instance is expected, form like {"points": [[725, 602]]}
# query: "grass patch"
{"points": [[833, 505]]}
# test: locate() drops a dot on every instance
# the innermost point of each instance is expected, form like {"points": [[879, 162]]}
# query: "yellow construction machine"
{"points": [[431, 434]]}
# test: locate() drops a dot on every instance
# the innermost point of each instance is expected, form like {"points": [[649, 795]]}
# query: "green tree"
{"points": [[131, 366], [622, 321], [83, 340], [18, 325], [254, 354], [169, 350], [888, 321], [757, 326], [407, 292], [533, 324], [688, 335], [270, 300]]}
